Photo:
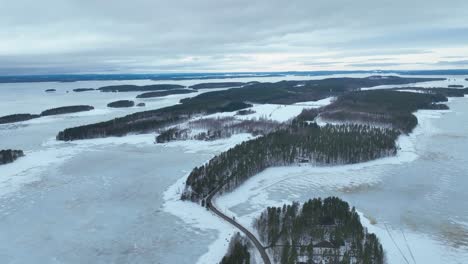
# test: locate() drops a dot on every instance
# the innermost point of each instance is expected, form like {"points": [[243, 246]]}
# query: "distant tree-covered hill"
{"points": [[79, 90], [165, 93], [17, 118], [391, 108], [121, 104], [137, 88], [217, 85], [286, 92], [147, 121]]}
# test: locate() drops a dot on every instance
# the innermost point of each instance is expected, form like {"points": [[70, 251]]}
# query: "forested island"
{"points": [[17, 118], [217, 85], [50, 90], [319, 231], [455, 86], [286, 92], [10, 155], [79, 90], [67, 110], [138, 88], [148, 120], [165, 93], [54, 111], [121, 104]]}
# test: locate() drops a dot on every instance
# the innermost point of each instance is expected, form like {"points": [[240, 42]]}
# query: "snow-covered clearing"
{"points": [[276, 112]]}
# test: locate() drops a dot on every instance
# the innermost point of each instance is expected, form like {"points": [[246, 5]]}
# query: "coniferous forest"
{"points": [[10, 155], [319, 231], [238, 251], [300, 143], [284, 92]]}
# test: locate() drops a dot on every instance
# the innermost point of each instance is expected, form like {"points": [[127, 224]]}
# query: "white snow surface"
{"points": [[253, 191], [26, 169], [403, 246], [276, 112], [195, 215]]}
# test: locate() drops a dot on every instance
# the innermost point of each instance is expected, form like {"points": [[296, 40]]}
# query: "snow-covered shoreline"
{"points": [[251, 190]]}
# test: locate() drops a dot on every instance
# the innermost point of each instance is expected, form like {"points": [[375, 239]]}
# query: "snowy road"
{"points": [[258, 245]]}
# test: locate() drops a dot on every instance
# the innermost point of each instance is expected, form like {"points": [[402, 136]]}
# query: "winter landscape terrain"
{"points": [[118, 199]]}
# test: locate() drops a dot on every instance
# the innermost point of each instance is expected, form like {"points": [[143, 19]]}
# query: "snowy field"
{"points": [[276, 112]]}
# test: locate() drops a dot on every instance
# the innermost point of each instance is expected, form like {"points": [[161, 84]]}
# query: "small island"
{"points": [[164, 93], [217, 85], [137, 88], [50, 90], [121, 104], [67, 110], [79, 90], [141, 105], [16, 118], [10, 155]]}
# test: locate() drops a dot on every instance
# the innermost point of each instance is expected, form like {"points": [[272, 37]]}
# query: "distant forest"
{"points": [[284, 92], [121, 104], [138, 88], [384, 107], [165, 93], [54, 111]]}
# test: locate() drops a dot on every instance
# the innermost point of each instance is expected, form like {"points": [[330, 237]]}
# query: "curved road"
{"points": [[258, 245]]}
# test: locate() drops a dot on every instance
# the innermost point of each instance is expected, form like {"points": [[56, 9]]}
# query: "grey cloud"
{"points": [[121, 35]]}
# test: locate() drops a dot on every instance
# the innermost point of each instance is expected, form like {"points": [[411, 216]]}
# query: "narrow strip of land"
{"points": [[258, 245]]}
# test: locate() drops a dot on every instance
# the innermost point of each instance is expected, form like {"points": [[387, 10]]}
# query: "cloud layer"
{"points": [[220, 35]]}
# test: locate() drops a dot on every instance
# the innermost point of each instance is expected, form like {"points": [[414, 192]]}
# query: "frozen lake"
{"points": [[101, 201]]}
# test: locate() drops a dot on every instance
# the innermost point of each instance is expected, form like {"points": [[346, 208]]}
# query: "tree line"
{"points": [[299, 143], [283, 92]]}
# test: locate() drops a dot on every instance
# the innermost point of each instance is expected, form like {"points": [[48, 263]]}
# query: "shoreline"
{"points": [[189, 212]]}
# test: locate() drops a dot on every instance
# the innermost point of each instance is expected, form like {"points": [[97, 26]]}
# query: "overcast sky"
{"points": [[73, 36]]}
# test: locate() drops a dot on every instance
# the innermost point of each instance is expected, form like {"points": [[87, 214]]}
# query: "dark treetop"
{"points": [[10, 155], [136, 88], [217, 85], [121, 103], [16, 118], [78, 90], [66, 110], [165, 93]]}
